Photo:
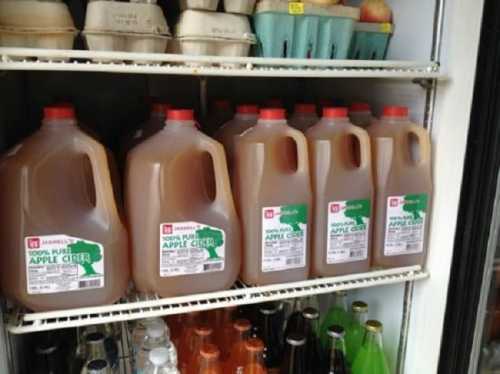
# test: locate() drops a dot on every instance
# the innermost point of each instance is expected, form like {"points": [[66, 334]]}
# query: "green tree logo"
{"points": [[90, 254], [293, 215], [210, 239], [415, 204], [357, 210]]}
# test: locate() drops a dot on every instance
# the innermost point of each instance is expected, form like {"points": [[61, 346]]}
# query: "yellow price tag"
{"points": [[296, 8], [386, 27]]}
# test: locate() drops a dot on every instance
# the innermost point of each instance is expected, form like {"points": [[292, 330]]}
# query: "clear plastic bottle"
{"points": [[273, 193], [159, 362], [155, 338], [303, 117], [361, 115], [140, 330]]}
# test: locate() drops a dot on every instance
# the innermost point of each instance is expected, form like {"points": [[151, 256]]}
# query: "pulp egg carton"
{"points": [[305, 31], [202, 33], [230, 6], [126, 27], [36, 24]]}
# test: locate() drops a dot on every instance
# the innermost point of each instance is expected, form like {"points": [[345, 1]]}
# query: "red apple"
{"points": [[375, 11]]}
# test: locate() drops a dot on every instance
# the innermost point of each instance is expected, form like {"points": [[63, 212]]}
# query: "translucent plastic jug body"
{"points": [[341, 175], [184, 228], [65, 245], [303, 117], [273, 194], [402, 175]]}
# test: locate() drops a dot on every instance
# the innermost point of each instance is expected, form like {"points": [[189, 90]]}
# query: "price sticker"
{"points": [[296, 8], [386, 27]]}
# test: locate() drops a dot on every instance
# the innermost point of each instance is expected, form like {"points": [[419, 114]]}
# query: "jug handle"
{"points": [[302, 151], [364, 146], [423, 142], [101, 175], [222, 184]]}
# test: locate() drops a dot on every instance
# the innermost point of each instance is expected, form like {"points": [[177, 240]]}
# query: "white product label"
{"points": [[348, 231], [191, 248], [284, 237], [61, 263], [405, 224]]}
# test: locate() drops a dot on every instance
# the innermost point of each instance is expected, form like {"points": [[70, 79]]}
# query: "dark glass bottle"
{"points": [[294, 361], [47, 359], [295, 322], [336, 351], [270, 328], [314, 352]]}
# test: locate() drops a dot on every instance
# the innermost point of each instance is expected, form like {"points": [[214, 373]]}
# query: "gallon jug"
{"points": [[64, 243], [220, 112], [304, 116], [341, 175], [361, 115], [273, 193], [246, 117], [184, 229], [402, 175]]}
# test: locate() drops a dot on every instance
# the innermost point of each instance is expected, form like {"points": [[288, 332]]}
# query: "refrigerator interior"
{"points": [[113, 104]]}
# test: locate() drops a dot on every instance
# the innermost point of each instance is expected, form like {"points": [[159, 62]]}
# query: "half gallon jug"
{"points": [[273, 193], [361, 115], [304, 116], [402, 175], [64, 243], [183, 224], [246, 116], [341, 175]]}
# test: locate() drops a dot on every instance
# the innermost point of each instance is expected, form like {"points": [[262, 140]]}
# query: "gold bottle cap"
{"points": [[373, 326], [359, 307]]}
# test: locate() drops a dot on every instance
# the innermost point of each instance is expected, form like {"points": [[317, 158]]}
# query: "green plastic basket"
{"points": [[370, 41]]}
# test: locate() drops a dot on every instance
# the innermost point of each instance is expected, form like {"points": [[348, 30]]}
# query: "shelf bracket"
{"points": [[425, 83]]}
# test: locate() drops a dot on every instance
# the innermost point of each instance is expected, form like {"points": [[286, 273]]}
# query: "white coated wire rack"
{"points": [[21, 321], [148, 63]]}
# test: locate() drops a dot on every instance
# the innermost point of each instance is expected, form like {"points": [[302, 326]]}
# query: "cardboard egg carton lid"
{"points": [[211, 26], [298, 8], [125, 17]]}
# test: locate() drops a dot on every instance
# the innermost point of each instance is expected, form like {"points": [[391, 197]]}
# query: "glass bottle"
{"points": [[95, 349], [190, 321], [270, 331], [336, 315], [98, 367], [336, 351], [356, 330], [47, 359], [209, 360], [294, 361], [203, 335], [314, 352], [254, 360], [371, 357], [295, 322], [237, 345]]}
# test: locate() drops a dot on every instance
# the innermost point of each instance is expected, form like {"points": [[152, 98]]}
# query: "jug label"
{"points": [[284, 237], [191, 248], [61, 263], [405, 224], [348, 231]]}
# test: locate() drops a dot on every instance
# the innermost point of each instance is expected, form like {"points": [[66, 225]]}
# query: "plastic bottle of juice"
{"points": [[402, 167], [356, 330], [184, 228], [246, 116], [361, 115], [341, 174], [337, 314], [273, 193], [237, 346], [67, 245], [371, 358], [304, 116]]}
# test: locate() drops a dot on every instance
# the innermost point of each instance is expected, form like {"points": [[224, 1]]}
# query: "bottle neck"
{"points": [[360, 317], [246, 117], [271, 122], [210, 366], [341, 301], [311, 326], [373, 339], [395, 120], [96, 351], [337, 353], [173, 124], [58, 124]]}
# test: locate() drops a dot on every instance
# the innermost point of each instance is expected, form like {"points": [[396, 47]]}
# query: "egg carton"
{"points": [[202, 33], [199, 4], [230, 6]]}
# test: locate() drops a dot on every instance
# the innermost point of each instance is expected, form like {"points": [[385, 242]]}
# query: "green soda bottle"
{"points": [[336, 315], [356, 331], [371, 357]]}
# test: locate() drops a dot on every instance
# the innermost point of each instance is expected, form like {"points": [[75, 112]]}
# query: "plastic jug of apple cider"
{"points": [[403, 183], [220, 112], [273, 194], [361, 115], [246, 116], [304, 116], [342, 183], [65, 245], [184, 228]]}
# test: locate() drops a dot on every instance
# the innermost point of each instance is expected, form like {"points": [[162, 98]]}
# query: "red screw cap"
{"points": [[180, 115], [247, 109], [359, 107], [335, 112], [305, 108], [64, 111], [395, 111], [272, 113]]}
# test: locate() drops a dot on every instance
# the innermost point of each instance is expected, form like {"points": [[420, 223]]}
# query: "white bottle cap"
{"points": [[155, 330], [158, 356]]}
